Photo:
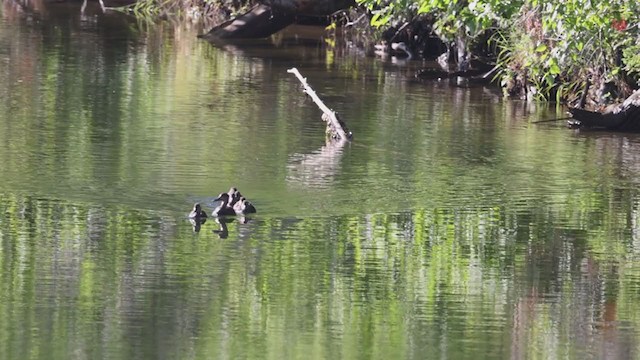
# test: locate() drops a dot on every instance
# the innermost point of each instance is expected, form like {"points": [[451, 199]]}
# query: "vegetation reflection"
{"points": [[379, 284]]}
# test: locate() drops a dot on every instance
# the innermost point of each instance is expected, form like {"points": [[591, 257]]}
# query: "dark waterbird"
{"points": [[234, 196], [223, 208], [197, 212], [243, 206]]}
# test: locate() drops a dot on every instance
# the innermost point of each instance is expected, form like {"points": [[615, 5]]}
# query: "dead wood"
{"points": [[336, 128]]}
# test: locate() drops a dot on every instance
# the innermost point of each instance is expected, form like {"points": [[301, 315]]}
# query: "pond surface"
{"points": [[451, 227]]}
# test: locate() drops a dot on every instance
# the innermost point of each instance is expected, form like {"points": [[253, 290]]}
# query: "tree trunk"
{"points": [[462, 57]]}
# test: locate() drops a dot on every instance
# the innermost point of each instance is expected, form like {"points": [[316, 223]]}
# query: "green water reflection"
{"points": [[450, 227]]}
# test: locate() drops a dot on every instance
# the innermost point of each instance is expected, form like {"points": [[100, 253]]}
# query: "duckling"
{"points": [[243, 206], [234, 196], [197, 212], [223, 209]]}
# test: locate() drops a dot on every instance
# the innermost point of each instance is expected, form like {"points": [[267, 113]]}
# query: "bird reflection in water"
{"points": [[196, 223], [223, 231]]}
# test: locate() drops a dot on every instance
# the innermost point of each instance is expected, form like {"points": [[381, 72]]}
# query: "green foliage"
{"points": [[631, 59], [582, 41], [389, 12], [450, 17], [547, 45], [183, 10]]}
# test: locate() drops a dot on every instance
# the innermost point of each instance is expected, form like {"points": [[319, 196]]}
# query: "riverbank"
{"points": [[568, 52], [541, 50], [538, 50]]}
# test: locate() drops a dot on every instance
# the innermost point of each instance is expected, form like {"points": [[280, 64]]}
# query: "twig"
{"points": [[351, 23], [399, 30], [331, 115], [552, 120]]}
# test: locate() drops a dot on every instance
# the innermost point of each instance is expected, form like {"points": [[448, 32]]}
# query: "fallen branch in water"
{"points": [[551, 120], [335, 127]]}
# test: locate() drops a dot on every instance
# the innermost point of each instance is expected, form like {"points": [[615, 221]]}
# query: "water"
{"points": [[451, 227]]}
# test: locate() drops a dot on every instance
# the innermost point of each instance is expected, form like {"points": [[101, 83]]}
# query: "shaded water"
{"points": [[450, 228]]}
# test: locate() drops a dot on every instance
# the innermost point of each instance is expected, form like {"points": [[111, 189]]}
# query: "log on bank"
{"points": [[622, 117], [269, 17]]}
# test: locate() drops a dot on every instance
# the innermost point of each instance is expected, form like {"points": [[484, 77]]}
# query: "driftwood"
{"points": [[336, 129], [263, 20], [259, 22], [622, 117]]}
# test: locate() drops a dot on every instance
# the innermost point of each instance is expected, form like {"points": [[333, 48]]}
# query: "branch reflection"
{"points": [[317, 169]]}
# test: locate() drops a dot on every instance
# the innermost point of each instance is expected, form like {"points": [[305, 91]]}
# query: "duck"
{"points": [[234, 196], [243, 206], [223, 209], [197, 212]]}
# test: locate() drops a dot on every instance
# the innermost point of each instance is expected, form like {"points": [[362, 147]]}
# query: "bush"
{"points": [[548, 47]]}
